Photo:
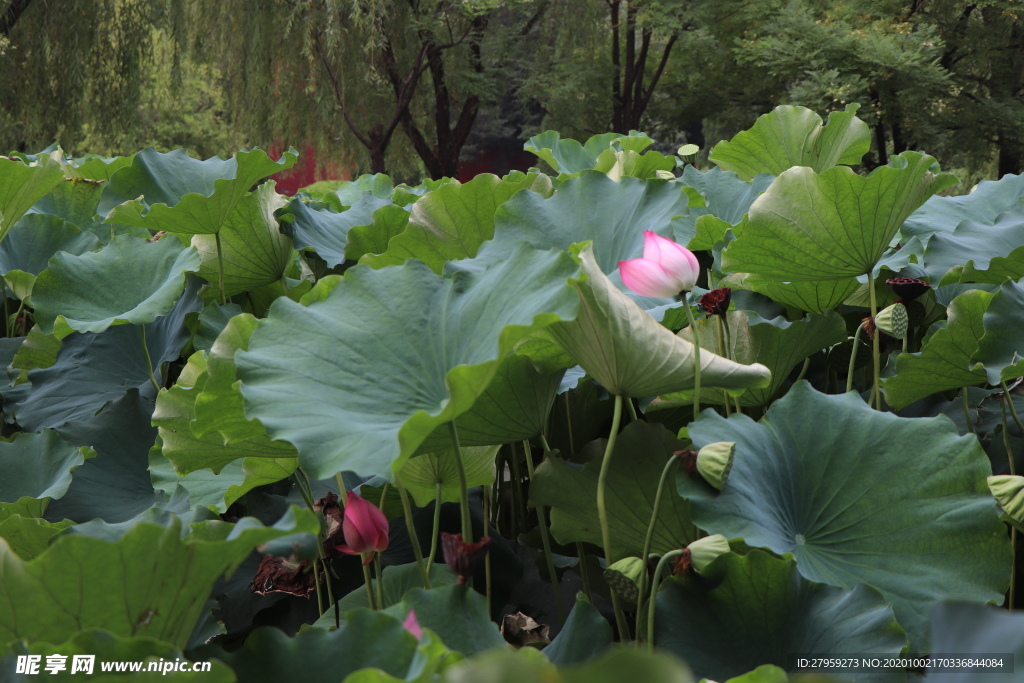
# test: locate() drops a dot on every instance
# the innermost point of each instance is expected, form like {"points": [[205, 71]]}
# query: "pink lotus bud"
{"points": [[665, 270], [365, 528], [412, 625]]}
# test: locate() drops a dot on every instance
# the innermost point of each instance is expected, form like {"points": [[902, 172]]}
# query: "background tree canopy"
{"points": [[413, 88]]}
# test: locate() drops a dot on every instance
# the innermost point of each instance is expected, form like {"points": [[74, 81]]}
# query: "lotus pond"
{"points": [[626, 419]]}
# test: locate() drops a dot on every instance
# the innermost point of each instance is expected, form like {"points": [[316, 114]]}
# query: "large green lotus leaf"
{"points": [[778, 344], [725, 197], [37, 351], [1001, 346], [898, 504], [365, 640], [421, 475], [618, 163], [351, 191], [92, 369], [452, 222], [978, 630], [38, 466], [386, 222], [984, 203], [625, 664], [809, 226], [768, 673], [219, 405], [982, 245], [593, 207], [75, 201], [108, 648], [96, 167], [944, 361], [254, 251], [28, 536], [640, 454], [795, 136], [151, 582], [129, 281], [325, 231], [174, 416], [458, 614], [210, 322], [515, 406], [22, 185], [813, 297], [115, 485], [358, 381], [203, 488], [630, 354], [585, 634], [36, 238], [569, 156], [179, 194], [744, 611]]}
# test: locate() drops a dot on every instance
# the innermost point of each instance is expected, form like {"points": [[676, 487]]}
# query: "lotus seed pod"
{"points": [[894, 321], [714, 462], [688, 152], [1008, 490], [624, 577], [705, 550]]}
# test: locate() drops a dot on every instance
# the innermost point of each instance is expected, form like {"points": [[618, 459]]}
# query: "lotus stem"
{"points": [[369, 583], [967, 411], [853, 358], [803, 370], [649, 539], [877, 392], [437, 527], [606, 535], [1013, 529], [542, 524], [319, 591], [1013, 411], [906, 337], [655, 580], [696, 359], [467, 526], [568, 423], [384, 495], [518, 503], [728, 352], [149, 361], [413, 537], [380, 581], [725, 394], [485, 494], [341, 489], [220, 269], [584, 573], [632, 410]]}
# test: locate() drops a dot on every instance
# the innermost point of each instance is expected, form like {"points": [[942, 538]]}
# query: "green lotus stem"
{"points": [[149, 362], [655, 580], [905, 338], [467, 527], [220, 270], [725, 394], [696, 361], [649, 538], [384, 495], [602, 514], [967, 411], [1013, 411], [380, 581], [542, 524], [568, 423], [853, 358], [518, 504], [437, 527], [341, 489], [877, 392], [803, 370], [7, 312], [729, 353], [584, 573], [485, 494], [413, 537], [632, 410], [1013, 529], [369, 583], [319, 591]]}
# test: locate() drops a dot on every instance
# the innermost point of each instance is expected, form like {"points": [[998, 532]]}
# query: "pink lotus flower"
{"points": [[412, 625], [665, 270], [365, 528]]}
